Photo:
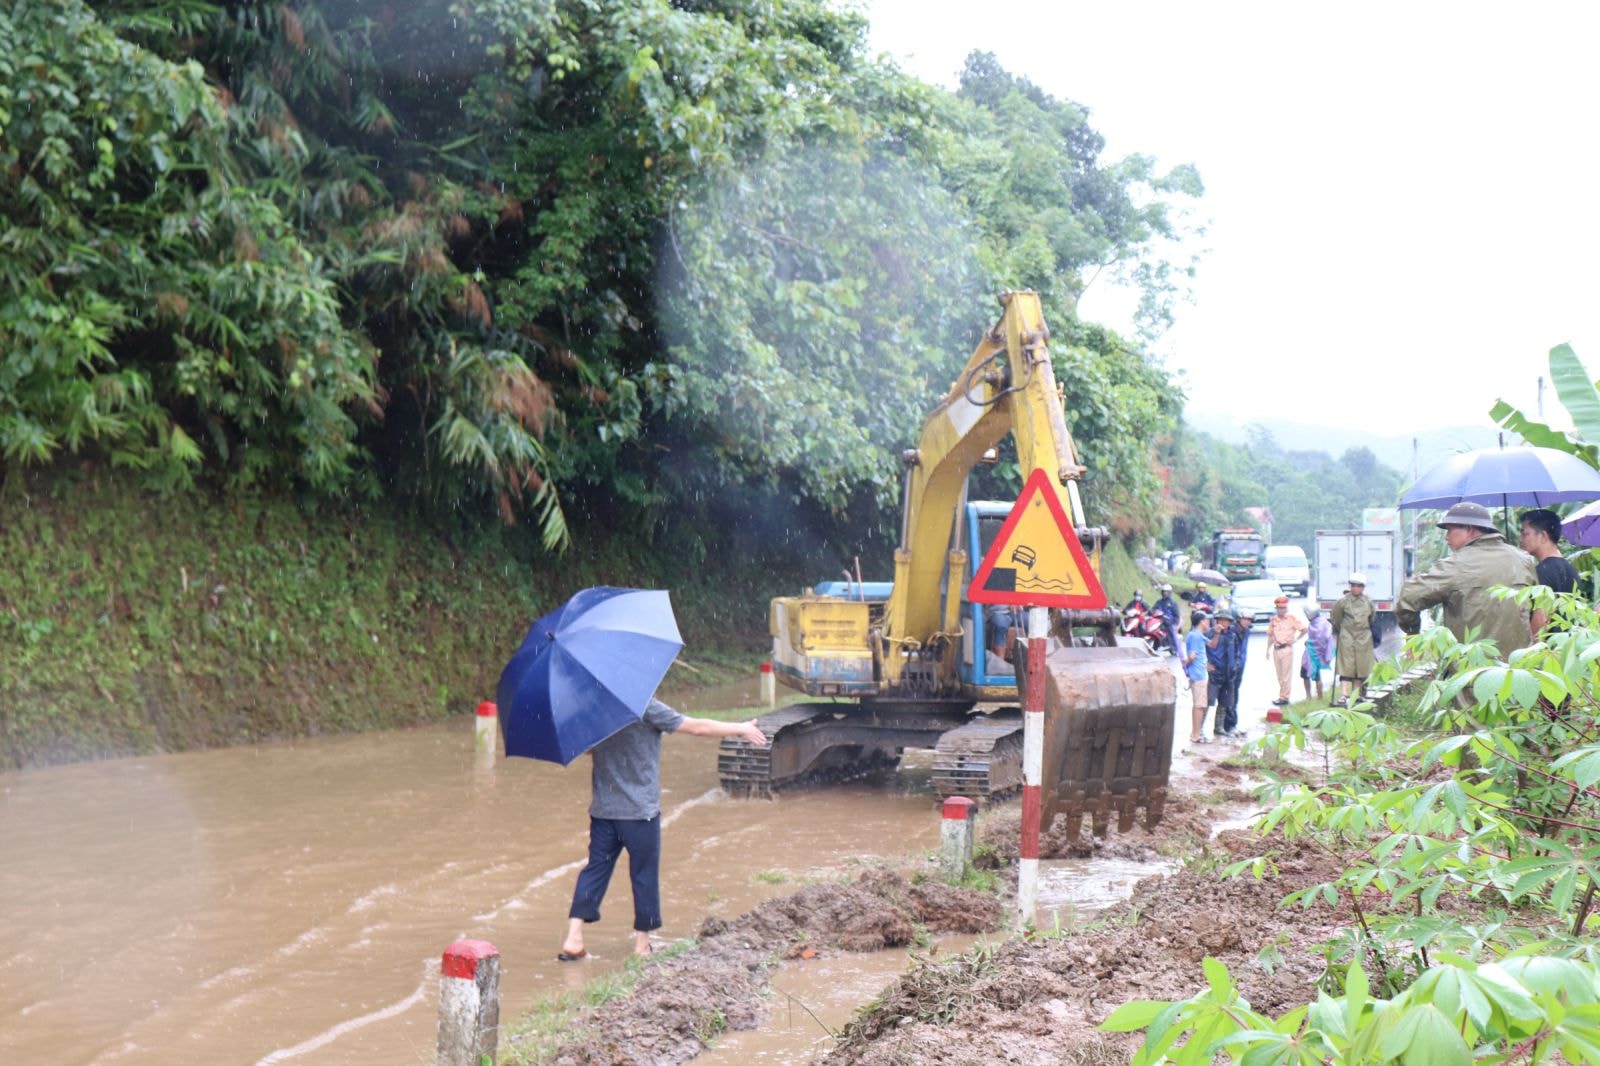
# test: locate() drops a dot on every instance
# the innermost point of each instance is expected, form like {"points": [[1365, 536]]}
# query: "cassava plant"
{"points": [[1469, 857]]}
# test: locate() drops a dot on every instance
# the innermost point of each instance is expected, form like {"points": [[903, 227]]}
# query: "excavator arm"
{"points": [[889, 657], [1008, 386]]}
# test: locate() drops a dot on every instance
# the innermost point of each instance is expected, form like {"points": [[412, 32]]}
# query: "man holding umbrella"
{"points": [[1479, 560], [625, 814], [584, 681]]}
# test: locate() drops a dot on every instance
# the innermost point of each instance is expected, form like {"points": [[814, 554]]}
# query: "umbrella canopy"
{"points": [[1505, 477], [586, 670], [1583, 526], [1210, 577]]}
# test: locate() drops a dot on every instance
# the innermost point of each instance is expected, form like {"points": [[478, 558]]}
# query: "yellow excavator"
{"points": [[908, 663]]}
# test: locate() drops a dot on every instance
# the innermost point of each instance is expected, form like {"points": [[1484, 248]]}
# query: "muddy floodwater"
{"points": [[289, 903]]}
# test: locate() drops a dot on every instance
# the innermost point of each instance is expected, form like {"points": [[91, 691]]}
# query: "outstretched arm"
{"points": [[710, 727]]}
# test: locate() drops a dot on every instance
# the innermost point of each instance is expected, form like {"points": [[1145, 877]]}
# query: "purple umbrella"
{"points": [[1583, 527]]}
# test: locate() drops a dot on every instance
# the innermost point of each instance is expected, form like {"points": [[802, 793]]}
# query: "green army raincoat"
{"points": [[1352, 631], [1461, 582]]}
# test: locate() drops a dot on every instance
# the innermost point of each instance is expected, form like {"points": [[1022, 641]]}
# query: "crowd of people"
{"points": [[1213, 651]]}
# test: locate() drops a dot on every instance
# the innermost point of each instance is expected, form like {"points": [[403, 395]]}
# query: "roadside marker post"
{"points": [[769, 685], [469, 1003], [488, 722], [1032, 767], [1035, 562], [957, 818]]}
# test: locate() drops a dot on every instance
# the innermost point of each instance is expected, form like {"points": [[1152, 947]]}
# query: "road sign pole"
{"points": [[1032, 768]]}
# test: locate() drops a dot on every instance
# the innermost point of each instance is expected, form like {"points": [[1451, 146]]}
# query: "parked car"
{"points": [[1286, 564], [1254, 598]]}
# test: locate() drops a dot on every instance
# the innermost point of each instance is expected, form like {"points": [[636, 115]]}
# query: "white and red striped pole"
{"points": [[1032, 768], [488, 721], [769, 685], [469, 1003]]}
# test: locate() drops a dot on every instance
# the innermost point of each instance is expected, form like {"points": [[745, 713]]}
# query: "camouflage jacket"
{"points": [[1461, 583]]}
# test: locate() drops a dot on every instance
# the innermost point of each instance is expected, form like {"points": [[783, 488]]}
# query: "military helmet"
{"points": [[1471, 515]]}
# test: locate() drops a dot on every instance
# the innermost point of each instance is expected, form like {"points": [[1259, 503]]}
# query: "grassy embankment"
{"points": [[131, 623]]}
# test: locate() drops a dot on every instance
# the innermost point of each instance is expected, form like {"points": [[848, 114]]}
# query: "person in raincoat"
{"points": [[1351, 619], [1318, 655], [1479, 560]]}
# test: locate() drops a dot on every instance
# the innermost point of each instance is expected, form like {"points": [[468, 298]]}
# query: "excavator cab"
{"points": [[985, 673]]}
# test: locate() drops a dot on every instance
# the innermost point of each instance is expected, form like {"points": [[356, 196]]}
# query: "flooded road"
{"points": [[289, 903]]}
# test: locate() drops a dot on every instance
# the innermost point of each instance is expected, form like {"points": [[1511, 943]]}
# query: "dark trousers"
{"points": [[608, 837], [1227, 718]]}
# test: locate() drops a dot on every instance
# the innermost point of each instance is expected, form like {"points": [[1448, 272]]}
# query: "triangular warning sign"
{"points": [[1036, 561]]}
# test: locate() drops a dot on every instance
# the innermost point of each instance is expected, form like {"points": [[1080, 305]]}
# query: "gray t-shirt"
{"points": [[627, 767]]}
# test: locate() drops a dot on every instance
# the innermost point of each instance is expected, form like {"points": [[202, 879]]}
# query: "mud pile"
{"points": [[680, 1004], [1039, 1001]]}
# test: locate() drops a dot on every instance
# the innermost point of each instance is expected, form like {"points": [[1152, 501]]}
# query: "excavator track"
{"points": [[817, 743], [981, 760]]}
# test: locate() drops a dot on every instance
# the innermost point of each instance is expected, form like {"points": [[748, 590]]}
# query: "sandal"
{"points": [[572, 956], [1199, 740]]}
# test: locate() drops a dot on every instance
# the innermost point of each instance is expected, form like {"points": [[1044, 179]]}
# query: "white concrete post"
{"points": [[469, 1003], [769, 685], [1032, 768], [955, 838], [488, 725]]}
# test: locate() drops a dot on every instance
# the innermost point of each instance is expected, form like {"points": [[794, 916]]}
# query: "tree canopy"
{"points": [[543, 254]]}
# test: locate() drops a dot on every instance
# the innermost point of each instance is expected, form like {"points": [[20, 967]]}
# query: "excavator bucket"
{"points": [[1109, 717]]}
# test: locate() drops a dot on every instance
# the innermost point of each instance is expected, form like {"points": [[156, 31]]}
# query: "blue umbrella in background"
{"points": [[586, 670], [1505, 477]]}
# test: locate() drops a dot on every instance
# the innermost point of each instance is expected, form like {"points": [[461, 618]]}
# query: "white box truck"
{"points": [[1378, 553]]}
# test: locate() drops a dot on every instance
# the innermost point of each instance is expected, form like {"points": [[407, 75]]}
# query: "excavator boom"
{"points": [[907, 660]]}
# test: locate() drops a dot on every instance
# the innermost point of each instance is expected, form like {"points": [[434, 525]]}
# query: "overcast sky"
{"points": [[1401, 198]]}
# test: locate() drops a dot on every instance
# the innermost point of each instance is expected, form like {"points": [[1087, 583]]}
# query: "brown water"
{"points": [[290, 903]]}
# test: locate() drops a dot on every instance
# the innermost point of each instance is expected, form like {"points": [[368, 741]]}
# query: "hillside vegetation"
{"points": [[131, 622]]}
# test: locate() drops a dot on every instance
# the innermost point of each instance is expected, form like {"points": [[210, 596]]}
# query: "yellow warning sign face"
{"points": [[1037, 561]]}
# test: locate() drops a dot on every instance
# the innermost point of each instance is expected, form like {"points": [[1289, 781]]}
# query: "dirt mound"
{"points": [[880, 910], [676, 1009], [680, 1004], [1039, 1001]]}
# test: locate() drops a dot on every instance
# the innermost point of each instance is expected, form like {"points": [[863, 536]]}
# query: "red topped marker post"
{"points": [[1036, 562]]}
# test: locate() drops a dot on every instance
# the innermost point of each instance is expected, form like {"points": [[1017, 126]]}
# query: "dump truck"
{"points": [[904, 663], [1238, 554]]}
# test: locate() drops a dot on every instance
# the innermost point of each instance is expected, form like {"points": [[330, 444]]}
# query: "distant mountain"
{"points": [[1393, 451]]}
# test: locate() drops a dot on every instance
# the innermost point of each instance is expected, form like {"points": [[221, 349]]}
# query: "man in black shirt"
{"points": [[1541, 537]]}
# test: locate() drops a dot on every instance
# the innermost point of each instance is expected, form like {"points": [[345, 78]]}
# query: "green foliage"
{"points": [[1212, 482], [1470, 859], [132, 622], [542, 255], [1578, 394], [1522, 1009], [151, 307]]}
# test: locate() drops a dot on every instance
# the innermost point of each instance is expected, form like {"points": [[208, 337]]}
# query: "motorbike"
{"points": [[1138, 620]]}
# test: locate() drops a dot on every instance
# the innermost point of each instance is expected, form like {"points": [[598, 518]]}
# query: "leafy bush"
{"points": [[1471, 859]]}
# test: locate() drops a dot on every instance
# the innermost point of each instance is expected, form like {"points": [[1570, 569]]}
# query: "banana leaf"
{"points": [[1577, 394]]}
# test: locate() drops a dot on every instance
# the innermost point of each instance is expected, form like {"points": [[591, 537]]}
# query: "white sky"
{"points": [[1401, 198]]}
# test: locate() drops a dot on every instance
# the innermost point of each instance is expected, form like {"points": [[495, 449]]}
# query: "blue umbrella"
{"points": [[586, 670], [1505, 477]]}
